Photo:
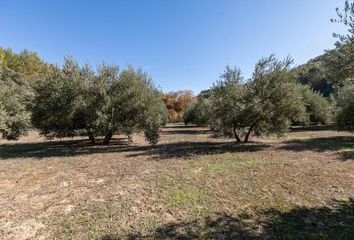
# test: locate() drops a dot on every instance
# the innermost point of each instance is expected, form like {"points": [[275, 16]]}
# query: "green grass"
{"points": [[249, 163], [298, 138], [187, 196], [215, 165]]}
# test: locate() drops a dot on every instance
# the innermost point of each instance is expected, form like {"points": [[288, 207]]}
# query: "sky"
{"points": [[182, 44]]}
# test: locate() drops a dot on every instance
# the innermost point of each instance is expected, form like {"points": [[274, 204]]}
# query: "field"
{"points": [[191, 185]]}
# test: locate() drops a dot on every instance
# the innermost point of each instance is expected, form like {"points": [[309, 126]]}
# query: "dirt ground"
{"points": [[190, 186]]}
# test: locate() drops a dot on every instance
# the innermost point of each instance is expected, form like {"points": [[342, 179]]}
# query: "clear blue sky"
{"points": [[183, 44]]}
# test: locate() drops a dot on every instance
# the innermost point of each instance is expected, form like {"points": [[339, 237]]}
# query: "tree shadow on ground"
{"points": [[180, 125], [339, 143], [160, 151], [53, 148], [313, 128], [335, 221], [187, 149], [184, 131], [328, 222]]}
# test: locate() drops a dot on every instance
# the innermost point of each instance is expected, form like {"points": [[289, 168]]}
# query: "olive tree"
{"points": [[342, 69], [227, 103], [317, 106], [136, 105], [345, 109], [341, 62], [265, 104], [56, 101], [197, 112]]}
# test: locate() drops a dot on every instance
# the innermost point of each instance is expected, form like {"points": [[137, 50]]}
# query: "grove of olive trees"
{"points": [[101, 152], [76, 100]]}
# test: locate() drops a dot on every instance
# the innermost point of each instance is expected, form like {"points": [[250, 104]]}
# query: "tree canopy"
{"points": [[74, 100], [267, 103], [198, 112], [14, 117]]}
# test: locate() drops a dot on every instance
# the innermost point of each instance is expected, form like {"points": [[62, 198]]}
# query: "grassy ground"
{"points": [[189, 186]]}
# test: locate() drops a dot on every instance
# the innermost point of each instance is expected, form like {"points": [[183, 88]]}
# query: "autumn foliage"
{"points": [[176, 104]]}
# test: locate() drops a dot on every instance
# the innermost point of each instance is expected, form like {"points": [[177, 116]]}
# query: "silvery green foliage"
{"points": [[265, 104], [56, 101], [228, 103], [342, 69], [317, 106], [198, 112], [137, 105], [75, 100], [341, 61]]}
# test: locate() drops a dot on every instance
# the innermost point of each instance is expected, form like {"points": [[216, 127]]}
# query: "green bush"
{"points": [[198, 112], [345, 109], [317, 106], [14, 117]]}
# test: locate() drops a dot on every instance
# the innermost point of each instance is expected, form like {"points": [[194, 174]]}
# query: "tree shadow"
{"points": [[186, 131], [220, 226], [326, 222], [160, 151], [187, 149], [56, 148], [335, 221], [339, 143], [179, 126], [313, 128]]}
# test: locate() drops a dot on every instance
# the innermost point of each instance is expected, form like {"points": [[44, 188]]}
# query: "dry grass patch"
{"points": [[190, 186]]}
